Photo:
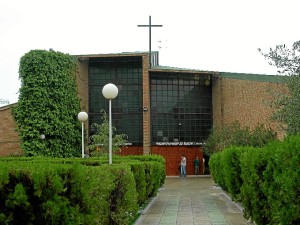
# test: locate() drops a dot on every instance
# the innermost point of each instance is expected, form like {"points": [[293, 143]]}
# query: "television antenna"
{"points": [[3, 101]]}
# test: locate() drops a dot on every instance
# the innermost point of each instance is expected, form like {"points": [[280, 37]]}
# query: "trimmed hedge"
{"points": [[75, 191], [230, 162], [266, 180], [282, 181], [138, 170], [254, 200], [215, 165]]}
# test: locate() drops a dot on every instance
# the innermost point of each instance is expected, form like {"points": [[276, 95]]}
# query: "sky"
{"points": [[214, 35]]}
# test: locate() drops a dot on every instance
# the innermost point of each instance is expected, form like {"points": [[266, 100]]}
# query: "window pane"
{"points": [[180, 108], [126, 74]]}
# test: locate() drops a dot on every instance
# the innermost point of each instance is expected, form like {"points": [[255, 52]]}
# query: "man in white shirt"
{"points": [[183, 166]]}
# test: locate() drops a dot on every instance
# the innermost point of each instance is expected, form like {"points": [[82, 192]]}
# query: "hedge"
{"points": [[266, 180], [253, 198], [75, 191], [282, 183], [230, 162]]}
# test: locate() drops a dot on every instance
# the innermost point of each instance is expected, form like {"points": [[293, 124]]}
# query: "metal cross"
{"points": [[150, 25]]}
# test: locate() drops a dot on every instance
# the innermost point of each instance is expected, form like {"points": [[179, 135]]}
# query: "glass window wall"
{"points": [[126, 74], [181, 110]]}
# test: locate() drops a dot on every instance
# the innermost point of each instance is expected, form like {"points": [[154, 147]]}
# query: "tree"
{"points": [[287, 60], [100, 140], [48, 104]]}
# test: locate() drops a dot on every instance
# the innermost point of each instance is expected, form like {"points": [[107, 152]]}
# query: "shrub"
{"points": [[231, 166], [43, 193], [85, 191], [123, 198], [266, 180], [254, 200], [215, 165], [138, 169], [282, 182], [234, 134]]}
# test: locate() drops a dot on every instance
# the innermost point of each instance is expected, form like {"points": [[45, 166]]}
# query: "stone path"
{"points": [[192, 200]]}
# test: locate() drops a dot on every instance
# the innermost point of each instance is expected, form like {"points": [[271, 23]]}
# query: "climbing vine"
{"points": [[48, 104]]}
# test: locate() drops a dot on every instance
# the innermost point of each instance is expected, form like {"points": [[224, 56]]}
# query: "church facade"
{"points": [[169, 111]]}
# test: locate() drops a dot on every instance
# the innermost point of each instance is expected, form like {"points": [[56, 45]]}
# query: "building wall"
{"points": [[146, 106], [131, 150], [245, 101], [9, 137], [172, 155], [83, 89], [232, 99]]}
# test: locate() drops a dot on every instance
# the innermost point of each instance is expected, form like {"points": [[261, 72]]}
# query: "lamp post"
{"points": [[82, 117], [110, 91], [43, 136]]}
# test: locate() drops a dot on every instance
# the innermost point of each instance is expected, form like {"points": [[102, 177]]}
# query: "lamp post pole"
{"points": [[82, 117], [110, 91], [110, 134]]}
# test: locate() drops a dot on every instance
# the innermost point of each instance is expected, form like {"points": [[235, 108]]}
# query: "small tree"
{"points": [[287, 60], [234, 134], [100, 140]]}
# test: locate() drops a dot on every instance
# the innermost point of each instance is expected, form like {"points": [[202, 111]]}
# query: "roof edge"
{"points": [[253, 77]]}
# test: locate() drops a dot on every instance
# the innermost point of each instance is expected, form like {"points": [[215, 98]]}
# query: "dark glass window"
{"points": [[126, 74], [181, 109]]}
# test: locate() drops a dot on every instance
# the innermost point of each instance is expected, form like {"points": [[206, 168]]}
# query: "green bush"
{"points": [[236, 135], [266, 180], [215, 166], [138, 169], [225, 167], [123, 198], [66, 194], [231, 166], [143, 158], [254, 200], [153, 176], [282, 182], [34, 194], [83, 191], [155, 171]]}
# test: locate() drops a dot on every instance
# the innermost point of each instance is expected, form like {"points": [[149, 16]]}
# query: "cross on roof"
{"points": [[149, 25]]}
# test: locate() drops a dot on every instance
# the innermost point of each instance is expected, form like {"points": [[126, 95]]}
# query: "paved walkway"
{"points": [[192, 200]]}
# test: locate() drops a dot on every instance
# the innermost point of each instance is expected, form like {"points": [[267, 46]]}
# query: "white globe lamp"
{"points": [[110, 91], [82, 117]]}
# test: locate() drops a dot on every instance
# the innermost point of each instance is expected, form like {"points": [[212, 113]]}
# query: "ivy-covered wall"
{"points": [[48, 104]]}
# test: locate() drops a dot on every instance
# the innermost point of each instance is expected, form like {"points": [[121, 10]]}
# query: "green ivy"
{"points": [[48, 104]]}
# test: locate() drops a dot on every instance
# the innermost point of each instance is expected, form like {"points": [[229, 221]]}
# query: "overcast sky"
{"points": [[215, 35]]}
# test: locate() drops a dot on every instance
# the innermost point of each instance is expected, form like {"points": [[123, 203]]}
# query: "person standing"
{"points": [[183, 166], [196, 165], [203, 165]]}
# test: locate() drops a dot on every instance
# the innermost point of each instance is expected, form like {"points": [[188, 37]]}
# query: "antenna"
{"points": [[3, 101]]}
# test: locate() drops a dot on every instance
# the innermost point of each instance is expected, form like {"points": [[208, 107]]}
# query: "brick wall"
{"points": [[131, 150], [9, 137], [146, 104], [82, 85], [83, 90], [172, 155], [245, 101]]}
